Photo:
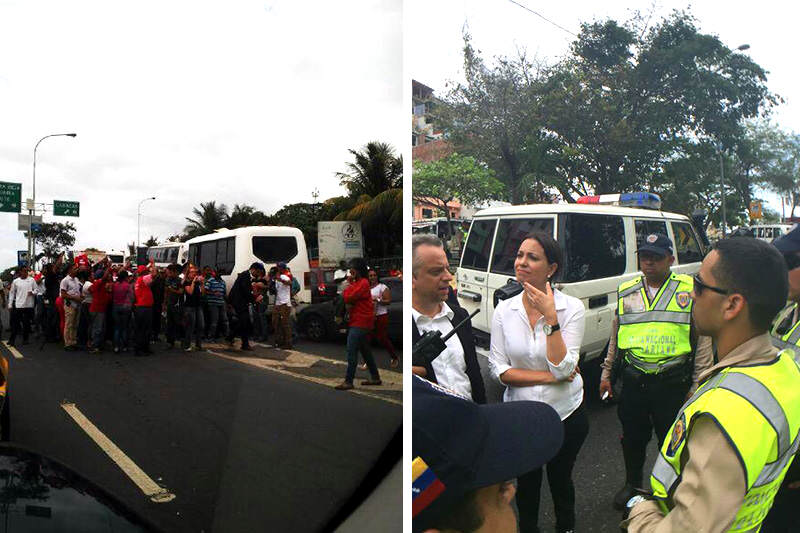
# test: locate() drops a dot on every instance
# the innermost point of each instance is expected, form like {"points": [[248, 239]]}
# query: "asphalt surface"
{"points": [[245, 441], [599, 471]]}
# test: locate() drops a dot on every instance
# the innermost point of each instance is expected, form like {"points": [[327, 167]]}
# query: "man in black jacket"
{"points": [[456, 368], [240, 298]]}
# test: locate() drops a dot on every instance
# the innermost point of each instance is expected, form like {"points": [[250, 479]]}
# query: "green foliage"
{"points": [[151, 241], [207, 218], [246, 215], [456, 176], [375, 169], [54, 238], [7, 275], [381, 221]]}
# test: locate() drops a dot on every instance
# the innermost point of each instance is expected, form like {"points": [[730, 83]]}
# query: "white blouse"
{"points": [[514, 344]]}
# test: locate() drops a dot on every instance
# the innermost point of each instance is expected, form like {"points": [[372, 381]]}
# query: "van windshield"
{"points": [[274, 249]]}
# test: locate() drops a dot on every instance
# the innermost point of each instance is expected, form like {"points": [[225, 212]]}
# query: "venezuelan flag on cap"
{"points": [[425, 486]]}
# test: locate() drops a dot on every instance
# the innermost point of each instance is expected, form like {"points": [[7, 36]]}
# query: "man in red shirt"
{"points": [[101, 297], [358, 298], [143, 308]]}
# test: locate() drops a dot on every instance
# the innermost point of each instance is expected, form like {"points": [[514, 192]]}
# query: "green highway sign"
{"points": [[10, 197], [64, 208]]}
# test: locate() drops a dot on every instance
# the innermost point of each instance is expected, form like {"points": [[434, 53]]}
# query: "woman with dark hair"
{"points": [[358, 298], [535, 344]]}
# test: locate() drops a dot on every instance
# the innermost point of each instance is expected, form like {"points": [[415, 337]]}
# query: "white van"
{"points": [[117, 257], [168, 253], [230, 251], [599, 244]]}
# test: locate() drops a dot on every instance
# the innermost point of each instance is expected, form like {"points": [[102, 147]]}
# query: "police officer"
{"points": [[785, 333], [657, 351], [733, 441]]}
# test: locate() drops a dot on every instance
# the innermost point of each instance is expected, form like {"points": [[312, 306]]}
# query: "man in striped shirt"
{"points": [[215, 298]]}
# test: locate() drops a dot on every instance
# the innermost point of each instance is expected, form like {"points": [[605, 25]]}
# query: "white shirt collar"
{"points": [[444, 311], [558, 298]]}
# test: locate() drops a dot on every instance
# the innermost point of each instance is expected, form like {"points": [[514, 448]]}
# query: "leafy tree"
{"points": [[53, 238], [245, 215], [376, 168], [207, 218], [457, 176], [152, 241], [302, 216]]}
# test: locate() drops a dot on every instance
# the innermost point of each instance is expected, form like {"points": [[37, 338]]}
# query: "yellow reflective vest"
{"points": [[758, 409], [655, 335], [791, 339]]}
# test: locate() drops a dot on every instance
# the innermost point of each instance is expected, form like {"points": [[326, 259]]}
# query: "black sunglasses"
{"points": [[699, 287], [792, 261]]}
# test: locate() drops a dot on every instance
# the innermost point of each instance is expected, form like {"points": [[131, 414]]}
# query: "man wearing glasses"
{"points": [[733, 441], [661, 355]]}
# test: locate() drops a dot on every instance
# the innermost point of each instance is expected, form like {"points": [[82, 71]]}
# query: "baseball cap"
{"points": [[656, 243], [459, 446], [789, 243]]}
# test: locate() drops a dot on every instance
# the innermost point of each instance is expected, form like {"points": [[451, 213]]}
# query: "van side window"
{"points": [[647, 227], [479, 244], [226, 255], [594, 247], [274, 249], [686, 244], [509, 236]]}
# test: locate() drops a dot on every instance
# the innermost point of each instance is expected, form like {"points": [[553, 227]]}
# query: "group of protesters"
{"points": [[90, 306]]}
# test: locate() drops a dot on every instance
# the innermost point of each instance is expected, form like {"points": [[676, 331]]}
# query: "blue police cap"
{"points": [[656, 243]]}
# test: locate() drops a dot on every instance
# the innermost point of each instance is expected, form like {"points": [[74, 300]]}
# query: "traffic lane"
{"points": [[206, 428], [599, 470]]}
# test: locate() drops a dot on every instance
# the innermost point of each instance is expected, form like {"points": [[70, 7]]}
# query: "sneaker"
{"points": [[363, 366], [94, 350], [372, 382], [187, 349], [344, 385], [623, 495], [395, 362], [116, 350]]}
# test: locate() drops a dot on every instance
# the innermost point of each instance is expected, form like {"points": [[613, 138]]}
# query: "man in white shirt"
{"points": [[71, 294], [21, 298], [283, 308], [456, 368]]}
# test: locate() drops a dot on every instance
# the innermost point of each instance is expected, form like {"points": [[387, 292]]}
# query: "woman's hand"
{"points": [[542, 301]]}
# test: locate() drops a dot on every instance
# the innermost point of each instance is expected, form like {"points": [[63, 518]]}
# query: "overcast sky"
{"points": [[499, 27], [240, 101]]}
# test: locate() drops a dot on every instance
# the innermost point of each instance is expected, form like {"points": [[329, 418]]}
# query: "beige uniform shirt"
{"points": [[712, 485]]}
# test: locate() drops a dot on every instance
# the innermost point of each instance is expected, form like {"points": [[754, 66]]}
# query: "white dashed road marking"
{"points": [[13, 350], [150, 488]]}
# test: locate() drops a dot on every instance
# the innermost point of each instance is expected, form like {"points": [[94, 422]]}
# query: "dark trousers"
{"points": [[84, 323], [243, 326], [20, 318], [357, 340], [143, 322], [174, 319], [51, 320], [157, 305], [559, 478], [649, 403]]}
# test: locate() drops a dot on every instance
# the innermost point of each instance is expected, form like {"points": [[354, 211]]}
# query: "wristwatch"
{"points": [[635, 501], [548, 329]]}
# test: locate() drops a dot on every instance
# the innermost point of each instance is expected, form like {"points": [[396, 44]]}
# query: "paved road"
{"points": [[245, 441], [599, 470]]}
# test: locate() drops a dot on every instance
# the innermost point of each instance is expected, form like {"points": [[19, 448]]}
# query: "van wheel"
{"points": [[315, 328]]}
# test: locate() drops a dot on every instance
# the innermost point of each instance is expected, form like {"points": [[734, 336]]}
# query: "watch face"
{"points": [[635, 500], [548, 329]]}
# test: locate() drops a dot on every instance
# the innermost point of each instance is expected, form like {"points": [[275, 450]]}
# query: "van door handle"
{"points": [[469, 295], [598, 301], [480, 279]]}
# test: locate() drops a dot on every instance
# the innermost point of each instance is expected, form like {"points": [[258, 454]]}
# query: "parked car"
{"points": [[317, 322], [323, 287]]}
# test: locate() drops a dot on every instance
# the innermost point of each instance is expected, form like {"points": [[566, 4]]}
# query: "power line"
{"points": [[543, 18]]}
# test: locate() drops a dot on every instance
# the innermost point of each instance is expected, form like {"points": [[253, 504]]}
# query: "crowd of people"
{"points": [[116, 307], [710, 363]]}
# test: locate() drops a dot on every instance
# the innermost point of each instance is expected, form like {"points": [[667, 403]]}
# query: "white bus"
{"points": [[770, 232], [230, 251], [168, 253]]}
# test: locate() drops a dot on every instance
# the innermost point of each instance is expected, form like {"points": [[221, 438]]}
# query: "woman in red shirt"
{"points": [[358, 299]]}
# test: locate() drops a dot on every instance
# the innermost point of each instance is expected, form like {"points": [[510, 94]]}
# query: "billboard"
{"points": [[339, 241]]}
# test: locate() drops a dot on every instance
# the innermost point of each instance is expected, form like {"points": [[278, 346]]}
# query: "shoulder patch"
{"points": [[683, 299], [651, 238], [678, 436]]}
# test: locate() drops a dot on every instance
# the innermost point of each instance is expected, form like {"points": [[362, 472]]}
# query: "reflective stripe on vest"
{"points": [[789, 340], [778, 405], [674, 317]]}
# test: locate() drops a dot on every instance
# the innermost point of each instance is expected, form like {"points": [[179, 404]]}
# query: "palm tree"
{"points": [[152, 241], [375, 169], [245, 215], [381, 221], [207, 218]]}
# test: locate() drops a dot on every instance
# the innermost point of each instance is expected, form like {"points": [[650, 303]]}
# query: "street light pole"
{"points": [[31, 240], [139, 219]]}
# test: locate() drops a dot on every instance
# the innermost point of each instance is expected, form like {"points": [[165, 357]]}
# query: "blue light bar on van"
{"points": [[627, 199]]}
